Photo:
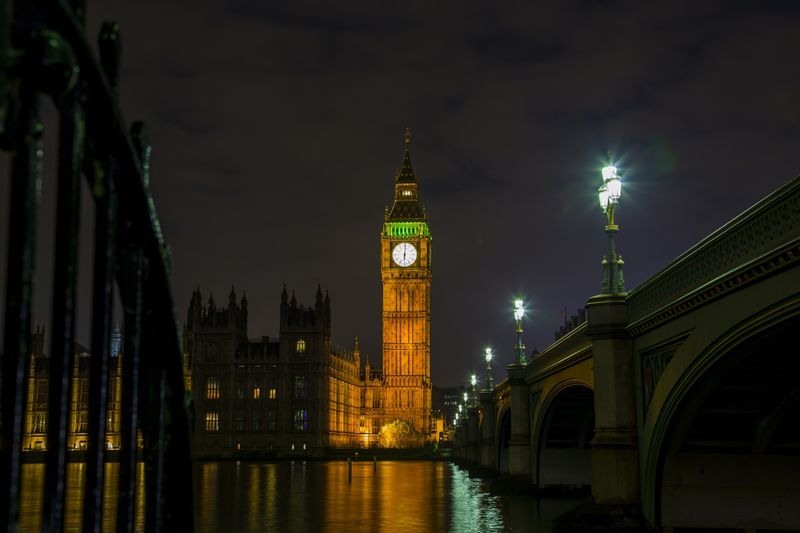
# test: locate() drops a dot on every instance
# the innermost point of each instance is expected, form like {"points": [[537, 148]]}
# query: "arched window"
{"points": [[212, 388], [301, 346]]}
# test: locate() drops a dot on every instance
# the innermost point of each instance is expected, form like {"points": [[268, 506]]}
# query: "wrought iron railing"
{"points": [[43, 53]]}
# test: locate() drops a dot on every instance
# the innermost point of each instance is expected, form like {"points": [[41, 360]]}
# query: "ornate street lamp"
{"points": [[609, 194], [473, 379], [488, 357], [519, 312]]}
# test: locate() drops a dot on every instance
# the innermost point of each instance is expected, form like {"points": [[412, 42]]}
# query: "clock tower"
{"points": [[406, 280]]}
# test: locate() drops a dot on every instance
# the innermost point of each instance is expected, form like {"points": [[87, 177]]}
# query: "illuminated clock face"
{"points": [[404, 254]]}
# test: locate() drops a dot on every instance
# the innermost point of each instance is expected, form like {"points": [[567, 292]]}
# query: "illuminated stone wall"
{"points": [[406, 305], [36, 408]]}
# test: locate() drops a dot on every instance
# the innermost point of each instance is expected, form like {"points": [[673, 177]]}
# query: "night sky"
{"points": [[277, 130]]}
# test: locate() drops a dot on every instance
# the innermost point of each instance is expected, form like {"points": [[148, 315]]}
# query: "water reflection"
{"points": [[319, 496], [399, 496], [473, 508], [32, 497]]}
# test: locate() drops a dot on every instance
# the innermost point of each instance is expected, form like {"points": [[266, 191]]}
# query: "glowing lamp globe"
{"points": [[614, 189], [611, 189], [473, 379], [518, 310], [488, 355], [602, 195]]}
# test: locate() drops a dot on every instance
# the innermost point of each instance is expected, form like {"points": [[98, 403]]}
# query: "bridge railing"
{"points": [[754, 235], [43, 53]]}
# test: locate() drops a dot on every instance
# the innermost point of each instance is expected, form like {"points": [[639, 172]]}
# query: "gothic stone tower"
{"points": [[406, 279]]}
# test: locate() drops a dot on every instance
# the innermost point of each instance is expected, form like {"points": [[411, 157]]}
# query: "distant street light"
{"points": [[519, 312], [473, 379], [609, 195], [488, 357]]}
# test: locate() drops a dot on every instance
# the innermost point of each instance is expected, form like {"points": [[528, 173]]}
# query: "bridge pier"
{"points": [[473, 441], [487, 444], [519, 446], [615, 455]]}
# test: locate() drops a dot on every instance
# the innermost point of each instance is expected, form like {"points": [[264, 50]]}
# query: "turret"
{"points": [[318, 306], [195, 311], [327, 319], [211, 309], [284, 312]]}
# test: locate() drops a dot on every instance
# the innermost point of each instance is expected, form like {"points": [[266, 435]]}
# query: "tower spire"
{"points": [[406, 172], [406, 206]]}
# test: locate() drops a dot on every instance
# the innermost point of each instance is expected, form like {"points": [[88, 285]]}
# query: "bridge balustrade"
{"points": [[43, 53]]}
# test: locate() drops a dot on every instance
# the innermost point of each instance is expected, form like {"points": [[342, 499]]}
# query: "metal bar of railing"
{"points": [[104, 261], [62, 353], [26, 175], [103, 188], [132, 267]]}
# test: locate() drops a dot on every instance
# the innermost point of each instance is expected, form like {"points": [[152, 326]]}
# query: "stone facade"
{"points": [[36, 408], [291, 395], [406, 281]]}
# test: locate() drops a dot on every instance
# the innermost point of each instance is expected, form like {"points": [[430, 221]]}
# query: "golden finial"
{"points": [[408, 136]]}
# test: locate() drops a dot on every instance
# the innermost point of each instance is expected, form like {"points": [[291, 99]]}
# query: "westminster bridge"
{"points": [[680, 398]]}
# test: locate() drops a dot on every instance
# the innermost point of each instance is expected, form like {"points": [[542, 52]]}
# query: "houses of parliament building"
{"points": [[297, 393], [301, 393]]}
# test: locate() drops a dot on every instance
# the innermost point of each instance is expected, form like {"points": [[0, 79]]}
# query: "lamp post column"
{"points": [[519, 445], [615, 454], [488, 356]]}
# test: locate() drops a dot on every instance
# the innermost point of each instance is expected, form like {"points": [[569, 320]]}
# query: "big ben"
{"points": [[406, 280]]}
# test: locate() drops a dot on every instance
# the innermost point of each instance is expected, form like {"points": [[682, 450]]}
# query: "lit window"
{"points": [[40, 423], [212, 389], [301, 346], [301, 420], [256, 392], [82, 425], [407, 193], [41, 391], [299, 387], [273, 394], [212, 421]]}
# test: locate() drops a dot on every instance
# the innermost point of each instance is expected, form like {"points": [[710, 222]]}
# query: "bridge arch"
{"points": [[729, 430], [562, 437]]}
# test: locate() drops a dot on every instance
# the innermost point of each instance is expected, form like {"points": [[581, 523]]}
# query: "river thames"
{"points": [[320, 496]]}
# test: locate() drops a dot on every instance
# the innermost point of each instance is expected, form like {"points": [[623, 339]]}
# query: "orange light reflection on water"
{"points": [[32, 505]]}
